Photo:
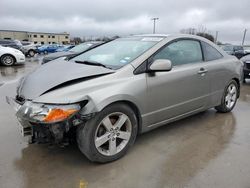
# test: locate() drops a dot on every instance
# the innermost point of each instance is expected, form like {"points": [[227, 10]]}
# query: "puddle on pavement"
{"points": [[17, 71]]}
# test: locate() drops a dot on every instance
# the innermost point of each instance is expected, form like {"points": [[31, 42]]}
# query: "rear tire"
{"points": [[7, 60], [109, 135], [229, 97], [31, 53]]}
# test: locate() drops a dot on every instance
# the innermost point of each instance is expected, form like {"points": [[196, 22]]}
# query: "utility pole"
{"points": [[216, 37], [154, 19], [244, 36]]}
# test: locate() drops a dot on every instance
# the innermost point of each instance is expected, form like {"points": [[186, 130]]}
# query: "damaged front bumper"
{"points": [[36, 131]]}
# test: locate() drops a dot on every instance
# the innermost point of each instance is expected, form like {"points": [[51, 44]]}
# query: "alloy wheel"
{"points": [[113, 134], [31, 53], [231, 96], [8, 60]]}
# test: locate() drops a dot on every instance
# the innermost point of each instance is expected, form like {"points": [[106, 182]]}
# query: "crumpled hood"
{"points": [[50, 75]]}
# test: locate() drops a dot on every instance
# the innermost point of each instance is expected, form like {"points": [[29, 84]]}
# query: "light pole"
{"points": [[154, 19], [244, 36], [216, 37]]}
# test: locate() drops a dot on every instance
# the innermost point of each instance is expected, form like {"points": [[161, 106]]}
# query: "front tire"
{"points": [[7, 60], [229, 97], [109, 135]]}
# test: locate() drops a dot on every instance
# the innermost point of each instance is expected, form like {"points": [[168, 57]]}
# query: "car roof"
{"points": [[152, 35], [94, 42], [165, 36]]}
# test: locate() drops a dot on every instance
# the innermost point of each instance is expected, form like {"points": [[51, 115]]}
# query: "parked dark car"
{"points": [[246, 68], [11, 43], [73, 51], [235, 50]]}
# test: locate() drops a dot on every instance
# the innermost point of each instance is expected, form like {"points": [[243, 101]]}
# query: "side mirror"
{"points": [[161, 65]]}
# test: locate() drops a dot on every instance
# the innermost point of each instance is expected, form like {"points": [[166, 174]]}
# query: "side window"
{"points": [[6, 42], [181, 52], [210, 53], [238, 48]]}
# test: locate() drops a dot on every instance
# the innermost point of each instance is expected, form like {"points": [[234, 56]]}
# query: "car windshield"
{"points": [[18, 42], [228, 48], [245, 58], [81, 47], [24, 43], [117, 53], [44, 46]]}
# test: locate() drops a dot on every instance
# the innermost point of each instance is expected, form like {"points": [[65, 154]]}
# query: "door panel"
{"points": [[182, 90]]}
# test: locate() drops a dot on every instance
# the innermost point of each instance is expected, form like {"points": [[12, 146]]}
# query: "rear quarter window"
{"points": [[4, 42], [210, 53]]}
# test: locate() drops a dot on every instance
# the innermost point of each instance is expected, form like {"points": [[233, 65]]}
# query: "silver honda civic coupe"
{"points": [[108, 95]]}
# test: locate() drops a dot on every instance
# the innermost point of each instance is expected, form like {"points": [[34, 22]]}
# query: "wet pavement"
{"points": [[206, 150]]}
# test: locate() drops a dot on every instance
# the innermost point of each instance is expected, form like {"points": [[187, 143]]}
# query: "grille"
{"points": [[248, 65]]}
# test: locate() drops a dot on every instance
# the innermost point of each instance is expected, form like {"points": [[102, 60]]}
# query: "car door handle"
{"points": [[202, 71]]}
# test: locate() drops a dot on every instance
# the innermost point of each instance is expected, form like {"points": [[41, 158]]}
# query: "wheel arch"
{"points": [[238, 84], [31, 50], [135, 109], [9, 55]]}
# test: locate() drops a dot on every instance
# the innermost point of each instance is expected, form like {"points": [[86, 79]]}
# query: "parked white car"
{"points": [[247, 49], [10, 56]]}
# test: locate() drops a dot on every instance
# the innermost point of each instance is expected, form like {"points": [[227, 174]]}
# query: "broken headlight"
{"points": [[47, 113]]}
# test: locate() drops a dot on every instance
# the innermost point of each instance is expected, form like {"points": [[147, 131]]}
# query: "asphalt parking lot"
{"points": [[206, 150]]}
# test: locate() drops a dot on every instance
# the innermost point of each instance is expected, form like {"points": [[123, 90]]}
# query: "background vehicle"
{"points": [[11, 43], [125, 87], [29, 48], [246, 68], [50, 48], [73, 51], [65, 48], [10, 56], [247, 49], [237, 51]]}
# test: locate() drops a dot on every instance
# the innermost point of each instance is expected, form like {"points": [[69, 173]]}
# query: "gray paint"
{"points": [[162, 98], [53, 74]]}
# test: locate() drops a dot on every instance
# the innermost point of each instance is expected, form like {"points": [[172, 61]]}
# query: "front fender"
{"points": [[94, 106]]}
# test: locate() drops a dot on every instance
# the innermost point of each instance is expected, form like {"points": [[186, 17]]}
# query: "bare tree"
{"points": [[200, 31]]}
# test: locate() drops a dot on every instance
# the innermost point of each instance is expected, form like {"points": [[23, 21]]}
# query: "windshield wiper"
{"points": [[94, 63]]}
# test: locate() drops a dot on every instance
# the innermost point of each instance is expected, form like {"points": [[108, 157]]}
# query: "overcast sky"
{"points": [[124, 17]]}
